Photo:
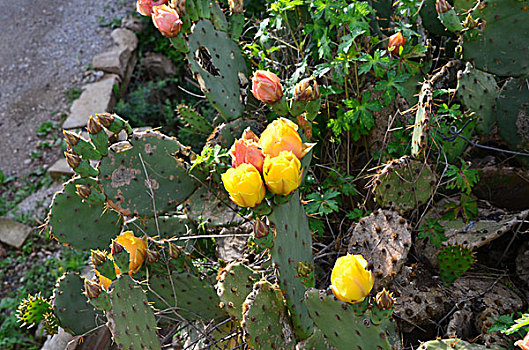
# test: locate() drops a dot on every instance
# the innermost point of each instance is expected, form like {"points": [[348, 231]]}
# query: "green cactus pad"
{"points": [[315, 342], [32, 310], [226, 133], [513, 114], [131, 319], [478, 90], [236, 281], [124, 181], [265, 319], [500, 47], [213, 207], [430, 19], [453, 344], [79, 224], [168, 226], [193, 120], [217, 62], [454, 261], [421, 128], [342, 328], [404, 184], [292, 245], [71, 306]]}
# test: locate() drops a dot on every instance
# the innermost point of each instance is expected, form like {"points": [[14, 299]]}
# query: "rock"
{"points": [[126, 38], [460, 324], [13, 233], [384, 240], [36, 206], [132, 23], [231, 247], [113, 61], [60, 168], [97, 97], [61, 341], [156, 65]]}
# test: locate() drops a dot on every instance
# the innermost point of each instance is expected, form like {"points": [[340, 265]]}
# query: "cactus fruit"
{"points": [[34, 309], [513, 114], [217, 63], [146, 178], [79, 224], [74, 313], [131, 319], [499, 48], [384, 240], [265, 319], [236, 282], [478, 90], [404, 184], [342, 327], [454, 261]]}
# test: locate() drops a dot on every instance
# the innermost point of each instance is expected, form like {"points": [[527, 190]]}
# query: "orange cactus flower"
{"points": [[144, 7], [246, 150], [266, 87], [396, 41], [281, 135], [167, 20]]}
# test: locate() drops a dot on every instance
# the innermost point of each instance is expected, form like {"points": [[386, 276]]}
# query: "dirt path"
{"points": [[45, 51]]}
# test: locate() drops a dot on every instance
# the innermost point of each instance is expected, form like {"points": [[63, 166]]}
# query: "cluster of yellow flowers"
{"points": [[274, 158]]}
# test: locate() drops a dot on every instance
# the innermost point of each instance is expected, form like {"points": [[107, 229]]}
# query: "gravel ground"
{"points": [[45, 50]]}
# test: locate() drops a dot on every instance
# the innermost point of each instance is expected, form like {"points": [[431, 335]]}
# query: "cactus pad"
{"points": [[213, 207], [191, 119], [478, 91], [131, 319], [454, 261], [236, 281], [72, 309], [499, 47], [404, 184], [513, 113], [342, 327], [265, 318], [168, 226], [453, 344], [430, 19], [419, 139], [79, 224], [124, 180], [217, 63]]}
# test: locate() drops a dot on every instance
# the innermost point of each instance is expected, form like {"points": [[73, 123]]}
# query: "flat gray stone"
{"points": [[96, 97], [125, 37], [60, 168], [36, 206], [13, 233], [61, 341], [113, 61]]}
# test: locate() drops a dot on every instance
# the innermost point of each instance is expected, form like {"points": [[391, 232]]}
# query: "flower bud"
{"points": [[135, 246], [266, 87], [71, 138], [144, 7], [91, 289], [83, 191], [116, 248], [152, 256], [236, 6], [244, 184], [442, 6], [260, 228], [246, 150], [174, 250], [98, 257], [106, 119], [72, 159], [282, 174], [281, 135], [166, 20], [396, 41], [307, 90], [384, 300], [350, 281], [93, 126]]}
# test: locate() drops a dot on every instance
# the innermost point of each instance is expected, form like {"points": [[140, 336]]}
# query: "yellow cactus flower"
{"points": [[350, 281], [244, 184], [136, 248], [281, 135], [103, 281], [282, 174]]}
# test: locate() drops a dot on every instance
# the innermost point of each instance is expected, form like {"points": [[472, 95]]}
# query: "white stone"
{"points": [[125, 37], [13, 233], [113, 61], [60, 168]]}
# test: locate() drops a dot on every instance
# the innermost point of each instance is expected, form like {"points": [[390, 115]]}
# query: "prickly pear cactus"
{"points": [[217, 63], [478, 90], [236, 282], [342, 327], [430, 19], [421, 128], [77, 223], [193, 120], [75, 314], [454, 261], [131, 319], [265, 318], [211, 206], [162, 226], [453, 344], [146, 177], [499, 47], [513, 114], [404, 184]]}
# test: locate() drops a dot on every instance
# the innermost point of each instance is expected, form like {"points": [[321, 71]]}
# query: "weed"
{"points": [[73, 94]]}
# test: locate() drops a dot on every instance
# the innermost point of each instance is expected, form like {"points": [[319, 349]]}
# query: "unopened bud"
{"points": [[236, 6], [71, 138], [307, 90], [395, 42], [83, 191], [91, 289], [98, 257], [152, 256], [106, 119], [93, 126], [442, 6], [384, 300], [260, 228], [72, 159], [179, 6], [116, 248], [174, 250]]}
